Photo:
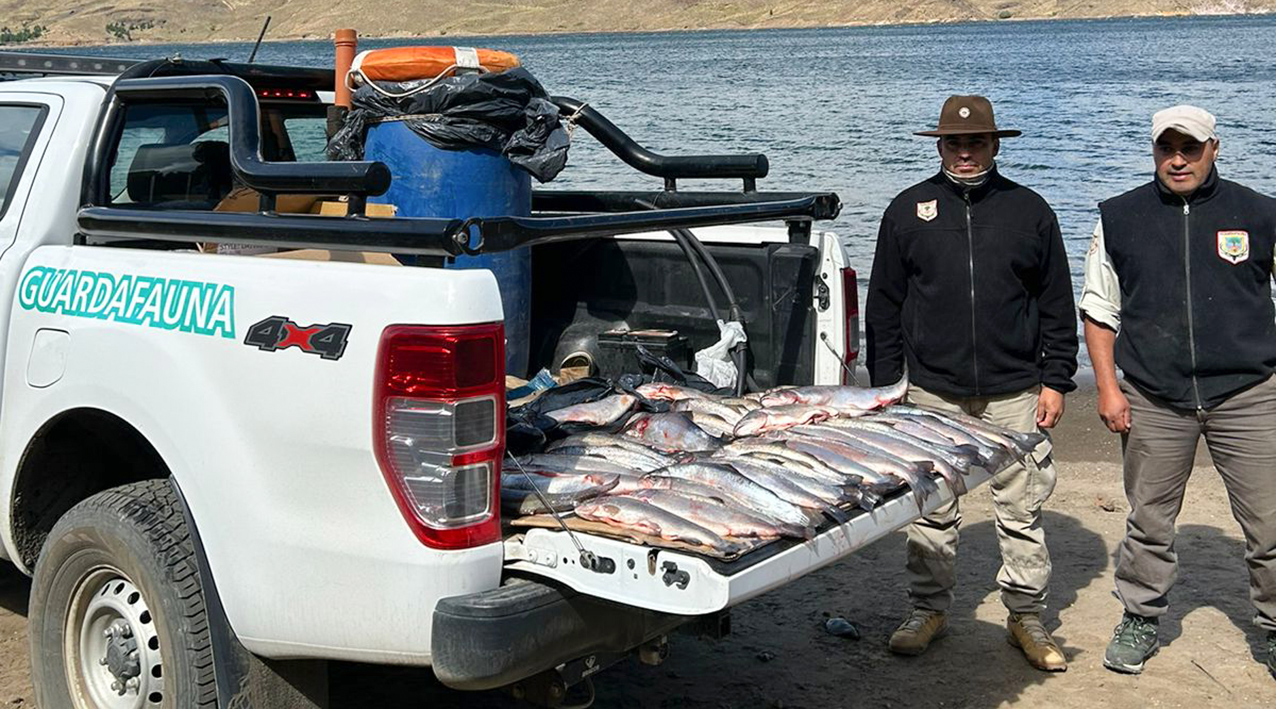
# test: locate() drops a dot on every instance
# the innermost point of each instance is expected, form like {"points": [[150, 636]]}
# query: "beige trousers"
{"points": [[1018, 493]]}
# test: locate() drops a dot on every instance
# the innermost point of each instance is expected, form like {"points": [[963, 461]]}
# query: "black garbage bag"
{"points": [[508, 112]]}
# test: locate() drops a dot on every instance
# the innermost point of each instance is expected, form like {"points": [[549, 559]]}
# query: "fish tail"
{"points": [[869, 499], [836, 515]]}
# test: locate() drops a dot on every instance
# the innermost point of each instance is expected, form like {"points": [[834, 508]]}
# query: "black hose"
{"points": [[692, 248], [738, 353]]}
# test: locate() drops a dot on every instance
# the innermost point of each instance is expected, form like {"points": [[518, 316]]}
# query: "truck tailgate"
{"points": [[688, 584]]}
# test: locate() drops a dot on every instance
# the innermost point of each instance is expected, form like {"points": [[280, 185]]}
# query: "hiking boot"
{"points": [[1028, 634], [1133, 643], [1271, 652], [917, 631]]}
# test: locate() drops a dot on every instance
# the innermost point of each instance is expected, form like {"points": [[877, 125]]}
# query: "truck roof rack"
{"points": [[22, 64], [61, 64]]}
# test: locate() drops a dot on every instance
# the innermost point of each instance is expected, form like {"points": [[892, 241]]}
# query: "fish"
{"points": [[992, 453], [718, 517], [740, 489], [527, 502], [797, 489], [669, 392], [846, 399], [671, 431], [776, 449], [1013, 443], [952, 466], [603, 412], [630, 459], [881, 467], [730, 414], [1023, 442], [632, 514], [545, 463], [557, 484], [743, 403], [778, 418], [712, 425]]}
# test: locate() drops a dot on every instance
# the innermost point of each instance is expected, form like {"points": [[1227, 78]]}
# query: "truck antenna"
{"points": [[260, 35]]}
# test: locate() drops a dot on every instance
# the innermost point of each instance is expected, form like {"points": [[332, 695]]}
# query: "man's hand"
{"points": [[1114, 409], [1049, 407]]}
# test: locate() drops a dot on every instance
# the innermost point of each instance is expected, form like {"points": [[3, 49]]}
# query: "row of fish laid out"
{"points": [[667, 475]]}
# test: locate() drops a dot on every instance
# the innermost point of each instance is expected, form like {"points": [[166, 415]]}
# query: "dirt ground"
{"points": [[779, 656]]}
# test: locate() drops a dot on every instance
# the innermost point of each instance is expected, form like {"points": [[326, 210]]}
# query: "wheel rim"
{"points": [[112, 648]]}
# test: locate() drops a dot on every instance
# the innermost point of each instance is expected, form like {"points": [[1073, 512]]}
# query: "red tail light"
{"points": [[851, 328], [439, 429]]}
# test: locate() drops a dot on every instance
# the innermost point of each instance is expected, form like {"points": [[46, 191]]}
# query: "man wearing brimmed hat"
{"points": [[1178, 294], [971, 288]]}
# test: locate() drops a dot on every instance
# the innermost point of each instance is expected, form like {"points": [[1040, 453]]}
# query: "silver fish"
{"points": [[598, 413], [622, 456], [990, 452], [1025, 443], [527, 502], [639, 516], [670, 392], [840, 398], [796, 489], [950, 465], [713, 425], [556, 484], [777, 449], [859, 458], [778, 418], [718, 517], [672, 431], [741, 489], [730, 414], [553, 462]]}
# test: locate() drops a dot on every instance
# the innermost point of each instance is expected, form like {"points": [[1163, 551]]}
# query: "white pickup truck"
{"points": [[209, 458]]}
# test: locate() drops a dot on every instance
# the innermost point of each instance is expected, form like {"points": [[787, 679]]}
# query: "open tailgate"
{"points": [[685, 583]]}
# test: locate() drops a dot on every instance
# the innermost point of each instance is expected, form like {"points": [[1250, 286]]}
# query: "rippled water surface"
{"points": [[834, 109]]}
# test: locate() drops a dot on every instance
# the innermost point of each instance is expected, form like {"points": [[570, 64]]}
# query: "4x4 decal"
{"points": [[280, 333]]}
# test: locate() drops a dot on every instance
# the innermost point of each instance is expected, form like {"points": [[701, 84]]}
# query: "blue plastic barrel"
{"points": [[431, 182]]}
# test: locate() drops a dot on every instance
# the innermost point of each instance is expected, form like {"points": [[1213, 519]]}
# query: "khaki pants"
{"points": [[1018, 493], [1158, 452]]}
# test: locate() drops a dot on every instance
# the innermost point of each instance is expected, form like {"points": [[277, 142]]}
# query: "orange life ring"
{"points": [[415, 63]]}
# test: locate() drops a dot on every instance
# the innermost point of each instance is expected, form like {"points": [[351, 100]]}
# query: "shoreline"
{"points": [[308, 37]]}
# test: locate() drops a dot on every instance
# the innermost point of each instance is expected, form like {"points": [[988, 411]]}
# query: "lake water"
{"points": [[834, 109]]}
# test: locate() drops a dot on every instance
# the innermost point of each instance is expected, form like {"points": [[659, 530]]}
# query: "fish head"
{"points": [[782, 397]]}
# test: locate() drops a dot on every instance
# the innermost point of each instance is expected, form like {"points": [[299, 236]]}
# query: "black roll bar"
{"points": [[357, 178], [669, 167]]}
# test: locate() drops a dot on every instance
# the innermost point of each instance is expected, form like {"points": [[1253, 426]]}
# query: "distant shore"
{"points": [[311, 37]]}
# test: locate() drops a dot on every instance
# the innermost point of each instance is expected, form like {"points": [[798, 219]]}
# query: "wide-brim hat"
{"points": [[968, 115]]}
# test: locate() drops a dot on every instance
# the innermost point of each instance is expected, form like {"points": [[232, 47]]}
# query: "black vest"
{"points": [[1197, 322]]}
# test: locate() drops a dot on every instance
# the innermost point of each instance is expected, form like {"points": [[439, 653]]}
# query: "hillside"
{"points": [[103, 21]]}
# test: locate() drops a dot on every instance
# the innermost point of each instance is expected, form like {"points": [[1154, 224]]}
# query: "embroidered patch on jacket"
{"points": [[927, 211], [1233, 246]]}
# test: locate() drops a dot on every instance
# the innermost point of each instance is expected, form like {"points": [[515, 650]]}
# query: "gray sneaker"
{"points": [[1133, 643]]}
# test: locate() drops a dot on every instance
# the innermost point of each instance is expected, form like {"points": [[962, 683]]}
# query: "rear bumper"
{"points": [[494, 638]]}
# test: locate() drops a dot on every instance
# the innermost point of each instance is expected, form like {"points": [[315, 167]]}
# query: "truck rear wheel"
{"points": [[117, 617]]}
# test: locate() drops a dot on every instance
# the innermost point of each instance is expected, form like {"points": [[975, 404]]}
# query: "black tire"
{"points": [[137, 531]]}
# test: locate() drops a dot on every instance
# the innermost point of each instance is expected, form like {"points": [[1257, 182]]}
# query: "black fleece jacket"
{"points": [[971, 287]]}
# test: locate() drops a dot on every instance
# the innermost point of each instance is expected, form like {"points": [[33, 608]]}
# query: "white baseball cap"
{"points": [[1188, 120]]}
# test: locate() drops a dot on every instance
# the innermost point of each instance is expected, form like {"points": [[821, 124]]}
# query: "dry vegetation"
{"points": [[87, 21]]}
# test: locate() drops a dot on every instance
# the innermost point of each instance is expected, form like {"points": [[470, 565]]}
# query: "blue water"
{"points": [[834, 109]]}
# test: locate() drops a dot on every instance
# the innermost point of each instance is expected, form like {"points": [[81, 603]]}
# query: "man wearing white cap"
{"points": [[1178, 294]]}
